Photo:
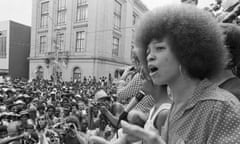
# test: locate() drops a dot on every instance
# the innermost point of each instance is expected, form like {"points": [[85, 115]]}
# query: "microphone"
{"points": [[134, 101]]}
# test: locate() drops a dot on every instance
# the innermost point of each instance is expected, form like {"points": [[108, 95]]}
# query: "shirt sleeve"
{"points": [[131, 89], [225, 128], [145, 104]]}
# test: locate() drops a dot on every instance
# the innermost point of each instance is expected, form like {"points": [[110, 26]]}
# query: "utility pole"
{"points": [[56, 63], [56, 52]]}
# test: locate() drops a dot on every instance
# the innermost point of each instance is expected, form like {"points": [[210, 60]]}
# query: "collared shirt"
{"points": [[211, 116], [131, 89]]}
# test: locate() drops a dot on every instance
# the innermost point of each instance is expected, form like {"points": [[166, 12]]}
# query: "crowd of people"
{"points": [[184, 87], [43, 112]]}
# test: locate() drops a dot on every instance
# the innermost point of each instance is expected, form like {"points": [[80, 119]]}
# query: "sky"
{"points": [[20, 10]]}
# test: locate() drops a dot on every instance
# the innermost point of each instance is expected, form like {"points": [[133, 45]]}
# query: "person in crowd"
{"points": [[228, 79], [182, 47], [52, 119], [132, 90], [72, 133], [156, 118], [100, 124]]}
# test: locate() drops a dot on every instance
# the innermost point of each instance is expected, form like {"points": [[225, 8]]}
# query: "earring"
{"points": [[180, 70]]}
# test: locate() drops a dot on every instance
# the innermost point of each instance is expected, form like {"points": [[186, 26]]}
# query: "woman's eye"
{"points": [[160, 48]]}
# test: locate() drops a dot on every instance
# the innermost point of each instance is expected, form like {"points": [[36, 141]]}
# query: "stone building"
{"points": [[14, 49], [75, 38]]}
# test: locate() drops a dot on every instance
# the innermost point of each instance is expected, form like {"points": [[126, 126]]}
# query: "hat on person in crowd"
{"points": [[101, 94], [66, 107], [65, 100], [24, 113], [35, 100], [3, 108], [26, 96], [51, 107], [19, 102], [16, 103], [10, 90], [73, 119], [53, 93], [20, 97], [78, 96], [55, 89]]}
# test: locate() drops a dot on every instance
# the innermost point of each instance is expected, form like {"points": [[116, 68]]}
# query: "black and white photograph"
{"points": [[119, 71]]}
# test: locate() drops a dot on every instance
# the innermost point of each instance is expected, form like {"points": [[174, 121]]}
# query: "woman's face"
{"points": [[42, 122], [162, 64]]}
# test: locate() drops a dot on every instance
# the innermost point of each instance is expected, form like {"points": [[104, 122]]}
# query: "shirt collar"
{"points": [[199, 94]]}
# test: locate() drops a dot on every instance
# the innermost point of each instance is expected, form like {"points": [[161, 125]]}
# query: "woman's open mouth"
{"points": [[152, 69]]}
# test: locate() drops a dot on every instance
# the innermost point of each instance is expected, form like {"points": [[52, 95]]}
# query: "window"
{"points": [[43, 44], [80, 41], [115, 46], [135, 18], [133, 35], [82, 10], [61, 12], [60, 42], [44, 15], [117, 15], [3, 47], [76, 73]]}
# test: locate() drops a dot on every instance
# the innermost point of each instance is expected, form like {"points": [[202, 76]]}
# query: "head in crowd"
{"points": [[74, 107], [180, 39], [24, 116], [67, 109], [135, 59], [51, 110], [41, 108], [232, 42], [41, 122], [102, 97], [84, 124], [74, 121]]}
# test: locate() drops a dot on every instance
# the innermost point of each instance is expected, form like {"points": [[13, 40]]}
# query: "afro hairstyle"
{"points": [[194, 37], [231, 36]]}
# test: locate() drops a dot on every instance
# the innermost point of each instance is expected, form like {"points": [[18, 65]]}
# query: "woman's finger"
{"points": [[134, 130]]}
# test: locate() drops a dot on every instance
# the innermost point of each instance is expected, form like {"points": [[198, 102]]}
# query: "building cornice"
{"points": [[140, 5], [112, 60]]}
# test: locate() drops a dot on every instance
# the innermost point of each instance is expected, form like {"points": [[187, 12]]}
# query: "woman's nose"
{"points": [[150, 57]]}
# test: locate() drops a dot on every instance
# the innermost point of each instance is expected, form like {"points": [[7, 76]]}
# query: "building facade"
{"points": [[14, 49], [75, 38]]}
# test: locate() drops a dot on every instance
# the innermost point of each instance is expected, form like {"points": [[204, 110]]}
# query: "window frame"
{"points": [[117, 14], [43, 44], [116, 46], [44, 12], [80, 41], [61, 12], [82, 11]]}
